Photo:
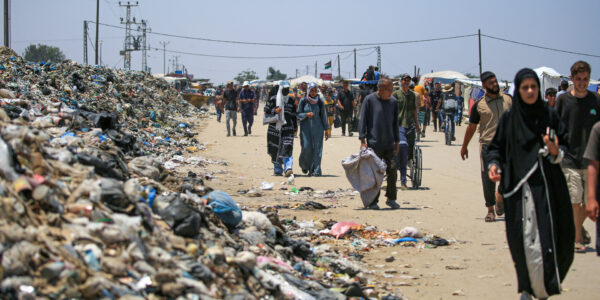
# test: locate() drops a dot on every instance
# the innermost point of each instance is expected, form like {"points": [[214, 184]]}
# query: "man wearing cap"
{"points": [[231, 106], [407, 125], [246, 101], [486, 113], [551, 96]]}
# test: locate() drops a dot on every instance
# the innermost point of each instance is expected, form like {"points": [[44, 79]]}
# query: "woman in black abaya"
{"points": [[524, 156]]}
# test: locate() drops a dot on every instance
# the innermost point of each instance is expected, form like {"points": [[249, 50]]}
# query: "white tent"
{"points": [[307, 78], [452, 75], [548, 78]]}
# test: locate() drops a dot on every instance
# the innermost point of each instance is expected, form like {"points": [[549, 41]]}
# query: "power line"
{"points": [[299, 45], [258, 57], [539, 47]]}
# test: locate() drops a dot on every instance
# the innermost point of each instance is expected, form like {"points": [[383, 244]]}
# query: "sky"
{"points": [[566, 25]]}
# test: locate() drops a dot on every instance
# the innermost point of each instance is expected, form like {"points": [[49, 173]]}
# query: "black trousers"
{"points": [[598, 237], [436, 120], [346, 121], [489, 187], [391, 172]]}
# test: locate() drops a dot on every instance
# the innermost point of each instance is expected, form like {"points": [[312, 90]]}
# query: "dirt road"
{"points": [[450, 204]]}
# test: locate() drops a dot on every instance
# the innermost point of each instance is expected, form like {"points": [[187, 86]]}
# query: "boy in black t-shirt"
{"points": [[579, 109]]}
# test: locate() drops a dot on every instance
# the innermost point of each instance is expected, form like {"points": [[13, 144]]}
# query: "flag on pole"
{"points": [[328, 65]]}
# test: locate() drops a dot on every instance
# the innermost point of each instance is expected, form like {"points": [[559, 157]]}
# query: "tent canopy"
{"points": [[446, 75], [306, 78]]}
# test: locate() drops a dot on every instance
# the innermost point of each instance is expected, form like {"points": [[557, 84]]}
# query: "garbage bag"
{"points": [[112, 194], [145, 166], [6, 162], [103, 120], [107, 168], [365, 171], [224, 207], [341, 228], [123, 140], [182, 218]]}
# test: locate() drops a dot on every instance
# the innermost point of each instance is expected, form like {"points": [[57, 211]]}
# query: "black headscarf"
{"points": [[273, 91], [528, 123]]}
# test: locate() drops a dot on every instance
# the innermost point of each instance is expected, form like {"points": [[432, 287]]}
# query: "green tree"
{"points": [[42, 52], [275, 74], [338, 78], [246, 75]]}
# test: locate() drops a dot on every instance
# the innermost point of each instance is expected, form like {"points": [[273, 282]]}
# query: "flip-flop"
{"points": [[490, 217], [580, 248]]}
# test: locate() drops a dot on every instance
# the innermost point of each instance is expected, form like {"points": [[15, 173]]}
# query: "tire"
{"points": [[416, 168]]}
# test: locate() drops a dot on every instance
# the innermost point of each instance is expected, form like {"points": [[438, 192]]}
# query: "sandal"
{"points": [[580, 248], [587, 239], [490, 217]]}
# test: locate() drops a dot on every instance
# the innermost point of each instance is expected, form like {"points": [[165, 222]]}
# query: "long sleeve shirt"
{"points": [[379, 122]]}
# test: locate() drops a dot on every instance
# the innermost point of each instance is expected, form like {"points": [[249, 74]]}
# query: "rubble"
{"points": [[92, 204]]}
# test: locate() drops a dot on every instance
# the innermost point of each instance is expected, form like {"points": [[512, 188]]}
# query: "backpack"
{"points": [[450, 105]]}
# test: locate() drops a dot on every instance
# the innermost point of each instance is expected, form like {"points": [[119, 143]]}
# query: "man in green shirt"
{"points": [[408, 106]]}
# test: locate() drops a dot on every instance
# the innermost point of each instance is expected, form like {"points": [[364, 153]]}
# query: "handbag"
{"points": [[270, 118], [354, 127]]}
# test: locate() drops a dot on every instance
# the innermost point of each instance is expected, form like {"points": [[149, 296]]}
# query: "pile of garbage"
{"points": [[91, 205]]}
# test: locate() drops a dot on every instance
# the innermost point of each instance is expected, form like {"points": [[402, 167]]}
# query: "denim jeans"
{"points": [[230, 115], [449, 119], [287, 165]]}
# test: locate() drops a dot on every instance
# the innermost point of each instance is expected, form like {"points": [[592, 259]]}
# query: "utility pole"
{"points": [[97, 25], [379, 58], [296, 73], [306, 69], [144, 46], [7, 23], [100, 53], [315, 69], [479, 34], [164, 44], [354, 62], [339, 74], [85, 51], [130, 41]]}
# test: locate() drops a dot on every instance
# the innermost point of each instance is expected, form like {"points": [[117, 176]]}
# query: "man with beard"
{"points": [[486, 113]]}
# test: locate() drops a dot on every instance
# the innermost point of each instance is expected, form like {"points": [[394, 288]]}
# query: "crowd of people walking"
{"points": [[539, 155]]}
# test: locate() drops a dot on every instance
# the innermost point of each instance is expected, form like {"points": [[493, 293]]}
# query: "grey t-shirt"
{"points": [[591, 150]]}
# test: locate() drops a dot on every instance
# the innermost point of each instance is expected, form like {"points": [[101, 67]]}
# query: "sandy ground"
{"points": [[449, 204]]}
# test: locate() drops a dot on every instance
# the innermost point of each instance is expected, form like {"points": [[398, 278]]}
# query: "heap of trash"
{"points": [[92, 205]]}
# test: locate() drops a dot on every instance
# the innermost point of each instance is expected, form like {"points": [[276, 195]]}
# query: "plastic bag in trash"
{"points": [[341, 228], [183, 219], [410, 232], [224, 207]]}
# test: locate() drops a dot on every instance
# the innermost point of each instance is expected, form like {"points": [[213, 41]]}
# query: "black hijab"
{"points": [[273, 91], [528, 123]]}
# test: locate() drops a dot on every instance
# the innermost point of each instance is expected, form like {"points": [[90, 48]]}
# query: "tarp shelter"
{"points": [[548, 78], [307, 78], [442, 76]]}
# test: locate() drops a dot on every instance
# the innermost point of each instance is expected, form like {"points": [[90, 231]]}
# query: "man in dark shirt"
{"points": [[346, 104], [579, 109], [436, 95], [231, 107], [246, 100], [362, 94], [378, 130]]}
